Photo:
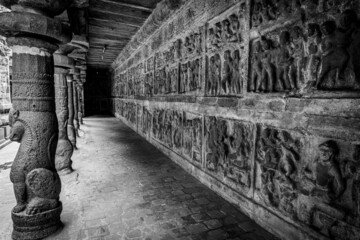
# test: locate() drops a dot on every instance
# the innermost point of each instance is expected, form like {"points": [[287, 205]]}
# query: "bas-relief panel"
{"points": [[316, 49], [130, 112], [192, 137], [190, 50], [148, 84], [191, 76], [229, 150], [139, 79], [180, 131], [309, 180], [139, 117], [146, 121], [227, 52]]}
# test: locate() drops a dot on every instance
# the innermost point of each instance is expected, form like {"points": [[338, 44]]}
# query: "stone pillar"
{"points": [[80, 90], [34, 38], [64, 148], [76, 109], [70, 125]]}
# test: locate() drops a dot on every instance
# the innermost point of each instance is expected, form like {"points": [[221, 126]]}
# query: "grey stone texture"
{"points": [[64, 149], [259, 100], [132, 191], [33, 121]]}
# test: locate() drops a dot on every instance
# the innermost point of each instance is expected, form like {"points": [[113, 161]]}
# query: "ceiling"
{"points": [[112, 23]]}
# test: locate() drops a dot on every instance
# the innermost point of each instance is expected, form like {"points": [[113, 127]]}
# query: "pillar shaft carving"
{"points": [[70, 125], [76, 109], [80, 90], [33, 120], [64, 148]]}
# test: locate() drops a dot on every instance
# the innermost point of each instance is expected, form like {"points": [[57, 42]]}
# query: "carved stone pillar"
{"points": [[76, 109], [80, 90], [70, 125], [83, 80], [64, 148], [34, 37]]}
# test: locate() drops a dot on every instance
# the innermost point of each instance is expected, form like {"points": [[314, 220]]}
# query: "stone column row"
{"points": [[65, 147]]}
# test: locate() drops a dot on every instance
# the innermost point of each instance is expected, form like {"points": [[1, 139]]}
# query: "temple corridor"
{"points": [[125, 188]]}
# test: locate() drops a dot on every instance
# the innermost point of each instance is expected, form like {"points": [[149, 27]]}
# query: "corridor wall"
{"points": [[259, 100]]}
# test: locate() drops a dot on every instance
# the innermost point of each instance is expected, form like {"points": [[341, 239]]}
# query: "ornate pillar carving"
{"points": [[76, 101], [70, 125], [64, 148], [80, 90], [34, 36]]}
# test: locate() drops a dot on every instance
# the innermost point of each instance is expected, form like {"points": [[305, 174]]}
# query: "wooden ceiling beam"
{"points": [[115, 18], [107, 7], [124, 3], [109, 37], [112, 26]]}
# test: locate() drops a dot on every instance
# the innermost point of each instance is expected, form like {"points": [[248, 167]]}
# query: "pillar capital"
{"points": [[63, 61], [36, 30], [49, 8]]}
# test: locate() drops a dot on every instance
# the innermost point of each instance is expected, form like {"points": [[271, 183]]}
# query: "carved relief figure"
{"points": [[183, 78], [236, 83], [278, 156], [227, 79], [36, 183], [329, 182], [255, 79], [268, 68], [334, 57], [284, 62], [322, 178], [229, 149], [312, 52]]}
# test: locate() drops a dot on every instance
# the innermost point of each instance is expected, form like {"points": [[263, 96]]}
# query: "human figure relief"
{"points": [[227, 73], [211, 82], [268, 71], [218, 72], [198, 43], [334, 56], [255, 79], [312, 52], [36, 183], [322, 178], [211, 39], [235, 69], [284, 61], [297, 50]]}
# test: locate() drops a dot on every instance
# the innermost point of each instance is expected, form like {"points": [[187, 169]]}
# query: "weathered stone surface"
{"points": [[270, 87], [64, 148], [33, 121]]}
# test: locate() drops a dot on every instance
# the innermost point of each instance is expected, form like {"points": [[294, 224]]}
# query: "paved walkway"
{"points": [[124, 188]]}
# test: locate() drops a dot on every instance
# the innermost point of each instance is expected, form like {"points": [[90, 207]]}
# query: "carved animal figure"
{"points": [[36, 183]]}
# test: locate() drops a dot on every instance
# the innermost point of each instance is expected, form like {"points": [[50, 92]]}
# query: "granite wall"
{"points": [[258, 99]]}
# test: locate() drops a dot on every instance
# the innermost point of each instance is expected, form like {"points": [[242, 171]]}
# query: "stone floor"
{"points": [[124, 188]]}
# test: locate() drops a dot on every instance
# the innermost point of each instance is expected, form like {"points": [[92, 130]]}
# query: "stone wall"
{"points": [[5, 54], [258, 99], [5, 102]]}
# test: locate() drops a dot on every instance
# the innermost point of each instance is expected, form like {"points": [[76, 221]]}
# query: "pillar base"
{"points": [[38, 226]]}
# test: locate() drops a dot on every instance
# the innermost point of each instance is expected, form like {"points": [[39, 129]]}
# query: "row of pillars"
{"points": [[45, 128], [69, 98]]}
